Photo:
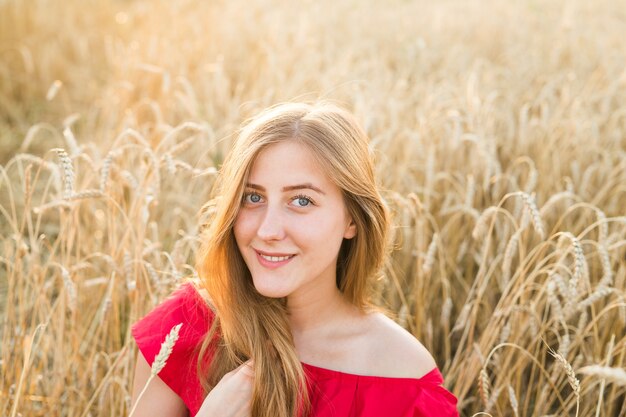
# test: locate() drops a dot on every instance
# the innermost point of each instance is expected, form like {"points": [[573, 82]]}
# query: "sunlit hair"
{"points": [[248, 324]]}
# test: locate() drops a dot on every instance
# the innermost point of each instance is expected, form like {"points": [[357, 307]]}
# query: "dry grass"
{"points": [[500, 135]]}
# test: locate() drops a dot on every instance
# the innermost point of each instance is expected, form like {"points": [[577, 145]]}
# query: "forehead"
{"points": [[288, 162]]}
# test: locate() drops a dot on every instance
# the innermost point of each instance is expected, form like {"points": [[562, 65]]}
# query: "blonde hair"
{"points": [[250, 325]]}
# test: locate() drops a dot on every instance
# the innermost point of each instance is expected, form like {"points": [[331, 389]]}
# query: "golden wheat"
{"points": [[498, 132], [160, 360]]}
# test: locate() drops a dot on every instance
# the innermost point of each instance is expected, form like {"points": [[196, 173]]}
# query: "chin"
{"points": [[271, 291]]}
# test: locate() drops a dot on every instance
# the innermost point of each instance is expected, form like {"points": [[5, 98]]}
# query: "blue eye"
{"points": [[252, 198], [302, 200]]}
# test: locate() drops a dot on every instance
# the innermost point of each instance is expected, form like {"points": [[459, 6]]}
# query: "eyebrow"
{"points": [[307, 185]]}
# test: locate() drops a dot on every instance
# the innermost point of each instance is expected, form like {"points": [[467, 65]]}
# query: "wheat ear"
{"points": [[535, 216], [513, 400], [483, 387], [616, 375], [481, 224], [70, 288], [160, 360], [571, 375], [430, 255], [68, 172]]}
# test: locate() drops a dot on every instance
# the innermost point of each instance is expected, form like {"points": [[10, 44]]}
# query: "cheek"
{"points": [[322, 232], [243, 227]]}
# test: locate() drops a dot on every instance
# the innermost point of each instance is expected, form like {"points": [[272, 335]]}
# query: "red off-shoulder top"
{"points": [[332, 393]]}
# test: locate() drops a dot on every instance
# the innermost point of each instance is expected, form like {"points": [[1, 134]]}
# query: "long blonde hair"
{"points": [[248, 324]]}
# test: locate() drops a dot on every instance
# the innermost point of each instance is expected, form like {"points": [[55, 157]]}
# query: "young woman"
{"points": [[282, 323]]}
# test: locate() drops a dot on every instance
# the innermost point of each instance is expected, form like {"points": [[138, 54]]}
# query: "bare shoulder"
{"points": [[396, 352]]}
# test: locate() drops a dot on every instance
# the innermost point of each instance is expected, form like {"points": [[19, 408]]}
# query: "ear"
{"points": [[350, 231]]}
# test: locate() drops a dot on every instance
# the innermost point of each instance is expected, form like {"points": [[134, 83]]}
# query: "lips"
{"points": [[273, 260], [274, 254]]}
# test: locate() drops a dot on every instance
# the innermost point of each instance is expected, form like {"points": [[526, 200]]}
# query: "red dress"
{"points": [[333, 393]]}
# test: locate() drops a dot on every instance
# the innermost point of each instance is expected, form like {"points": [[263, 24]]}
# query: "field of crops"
{"points": [[500, 135]]}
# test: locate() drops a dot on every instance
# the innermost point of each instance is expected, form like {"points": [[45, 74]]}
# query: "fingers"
{"points": [[246, 368], [232, 396]]}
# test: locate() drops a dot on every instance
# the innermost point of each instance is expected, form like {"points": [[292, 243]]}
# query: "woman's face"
{"points": [[291, 222]]}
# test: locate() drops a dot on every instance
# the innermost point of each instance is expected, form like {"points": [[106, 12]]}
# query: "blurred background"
{"points": [[499, 130]]}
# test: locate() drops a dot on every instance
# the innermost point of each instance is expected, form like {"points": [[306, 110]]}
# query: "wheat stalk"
{"points": [[29, 343], [533, 176], [106, 169], [130, 179], [481, 224], [68, 172], [70, 288], [493, 399], [505, 333], [462, 251], [579, 265], [535, 216], [599, 293], [131, 281], [461, 319], [616, 375], [161, 359], [471, 191], [430, 255], [603, 227], [403, 315], [446, 309], [582, 320], [169, 163], [92, 193], [571, 375], [53, 204], [484, 387], [554, 199], [53, 90], [554, 301], [607, 273], [154, 277], [106, 306], [563, 290], [513, 400], [564, 343], [71, 140], [509, 253]]}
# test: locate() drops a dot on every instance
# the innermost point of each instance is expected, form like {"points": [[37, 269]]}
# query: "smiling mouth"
{"points": [[273, 260], [276, 258]]}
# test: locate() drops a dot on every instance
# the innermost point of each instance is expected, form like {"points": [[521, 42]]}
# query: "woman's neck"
{"points": [[319, 313]]}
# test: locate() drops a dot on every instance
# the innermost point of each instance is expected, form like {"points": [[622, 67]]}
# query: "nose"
{"points": [[271, 226]]}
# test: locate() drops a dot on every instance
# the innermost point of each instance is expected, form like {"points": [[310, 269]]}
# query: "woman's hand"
{"points": [[232, 396]]}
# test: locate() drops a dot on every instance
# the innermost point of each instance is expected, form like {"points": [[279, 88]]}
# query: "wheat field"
{"points": [[499, 130]]}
